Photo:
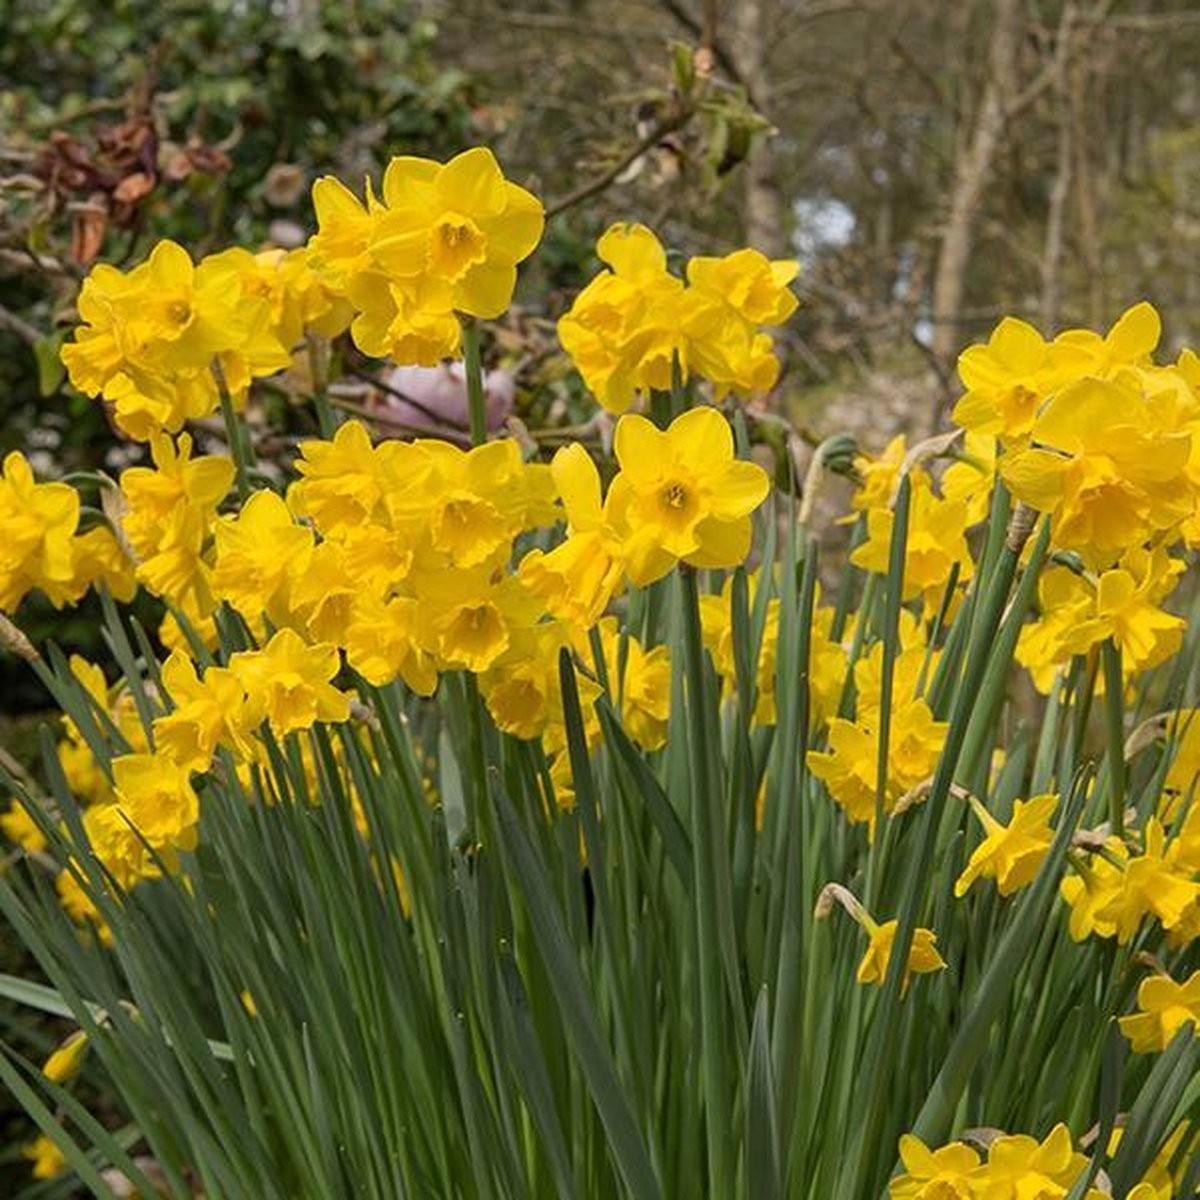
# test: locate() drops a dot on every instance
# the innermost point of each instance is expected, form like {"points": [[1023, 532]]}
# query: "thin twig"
{"points": [[662, 129], [14, 324]]}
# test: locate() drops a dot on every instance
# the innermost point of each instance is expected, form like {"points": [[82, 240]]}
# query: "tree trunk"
{"points": [[764, 213], [972, 171]]}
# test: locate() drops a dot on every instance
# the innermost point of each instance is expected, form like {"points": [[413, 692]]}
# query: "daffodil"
{"points": [[66, 1060], [879, 475], [1151, 885], [936, 542], [641, 680], [1097, 463], [716, 623], [624, 332], [1165, 1006], [923, 957], [39, 522], [21, 829], [287, 683], [942, 1174], [444, 239], [46, 1160], [681, 495], [296, 300], [151, 338], [168, 513], [381, 641], [636, 324], [1019, 1166], [850, 766], [260, 551], [579, 577], [1012, 853], [461, 222], [1008, 379], [1093, 889], [208, 712]]}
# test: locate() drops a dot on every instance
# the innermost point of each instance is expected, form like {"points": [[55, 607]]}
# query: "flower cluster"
{"points": [[636, 324], [158, 342], [1151, 877], [1098, 436], [392, 587], [43, 547], [849, 766], [1010, 1166], [444, 239]]}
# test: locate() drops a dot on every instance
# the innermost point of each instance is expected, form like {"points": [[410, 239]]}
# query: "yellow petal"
{"points": [[472, 182]]}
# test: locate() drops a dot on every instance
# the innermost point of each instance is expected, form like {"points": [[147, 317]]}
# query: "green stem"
{"points": [[473, 367], [1114, 718], [717, 1085], [318, 350], [233, 434], [879, 1056], [891, 639]]}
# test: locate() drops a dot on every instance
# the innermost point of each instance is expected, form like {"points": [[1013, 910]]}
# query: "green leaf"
{"points": [[575, 1006], [763, 1177], [50, 369]]}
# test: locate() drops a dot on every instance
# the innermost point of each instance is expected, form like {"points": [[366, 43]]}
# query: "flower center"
{"points": [[458, 244], [674, 495]]}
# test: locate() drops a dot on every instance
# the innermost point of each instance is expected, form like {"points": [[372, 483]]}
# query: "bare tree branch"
{"points": [[14, 324], [663, 128]]}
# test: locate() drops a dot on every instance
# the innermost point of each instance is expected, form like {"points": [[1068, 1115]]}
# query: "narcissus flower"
{"points": [[878, 475], [461, 222], [635, 324], [747, 282], [157, 796], [641, 680], [151, 339], [1093, 889], [259, 552], [347, 481], [66, 1061], [46, 1160], [444, 239], [1008, 379], [39, 522], [209, 712], [716, 622], [168, 514], [1165, 1006], [382, 644], [624, 331], [1019, 1166], [296, 300], [154, 811], [1126, 610], [1099, 463], [936, 542], [923, 957], [1010, 854], [577, 578], [850, 766], [1129, 343], [681, 495], [1152, 884], [943, 1174], [288, 683], [20, 828]]}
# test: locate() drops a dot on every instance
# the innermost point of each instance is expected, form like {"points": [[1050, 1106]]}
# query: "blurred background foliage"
{"points": [[932, 166]]}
